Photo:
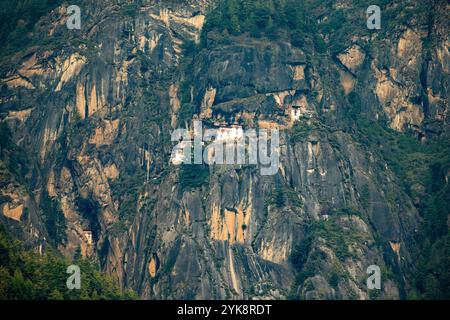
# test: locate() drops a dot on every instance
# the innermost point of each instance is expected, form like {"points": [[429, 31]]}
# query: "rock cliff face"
{"points": [[92, 114]]}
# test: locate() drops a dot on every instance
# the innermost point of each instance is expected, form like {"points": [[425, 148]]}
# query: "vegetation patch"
{"points": [[30, 276]]}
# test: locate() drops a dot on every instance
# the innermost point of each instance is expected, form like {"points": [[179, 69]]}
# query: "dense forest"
{"points": [[17, 20], [272, 19], [26, 275]]}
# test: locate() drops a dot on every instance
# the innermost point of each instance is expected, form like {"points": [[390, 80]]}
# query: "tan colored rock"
{"points": [[96, 184], [395, 246], [21, 115], [31, 67], [150, 43], [111, 172], [411, 114], [167, 17], [396, 104], [123, 72], [81, 99], [93, 101], [268, 124], [76, 234], [59, 22], [152, 267], [352, 58], [408, 44], [443, 55], [17, 82], [65, 181], [88, 236], [14, 213], [207, 103], [70, 68], [153, 41], [281, 95], [233, 277], [232, 226], [272, 250], [174, 102], [51, 184], [302, 103], [298, 72], [164, 16], [347, 81], [196, 21], [49, 137]]}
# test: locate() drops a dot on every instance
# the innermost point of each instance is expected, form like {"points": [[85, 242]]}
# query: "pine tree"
{"points": [[279, 198]]}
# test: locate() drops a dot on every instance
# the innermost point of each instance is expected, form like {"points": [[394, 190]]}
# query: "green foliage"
{"points": [[346, 211], [30, 276], [130, 10], [54, 218], [13, 156], [269, 18], [279, 197], [292, 197], [364, 196], [355, 106], [300, 253], [187, 108], [17, 19], [151, 114], [306, 259], [414, 163], [189, 48], [297, 38], [433, 276], [185, 113], [319, 44], [126, 189], [90, 210], [337, 238], [334, 279], [5, 137], [436, 206], [193, 176], [400, 151], [433, 272], [301, 130]]}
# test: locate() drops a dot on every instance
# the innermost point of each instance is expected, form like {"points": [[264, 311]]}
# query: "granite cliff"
{"points": [[89, 115]]}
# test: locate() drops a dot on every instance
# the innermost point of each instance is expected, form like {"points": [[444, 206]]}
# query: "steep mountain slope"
{"points": [[86, 121]]}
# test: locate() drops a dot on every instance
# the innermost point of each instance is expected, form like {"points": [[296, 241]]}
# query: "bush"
{"points": [[334, 279], [279, 197], [300, 253]]}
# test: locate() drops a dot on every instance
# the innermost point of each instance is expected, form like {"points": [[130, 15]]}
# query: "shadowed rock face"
{"points": [[93, 114]]}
